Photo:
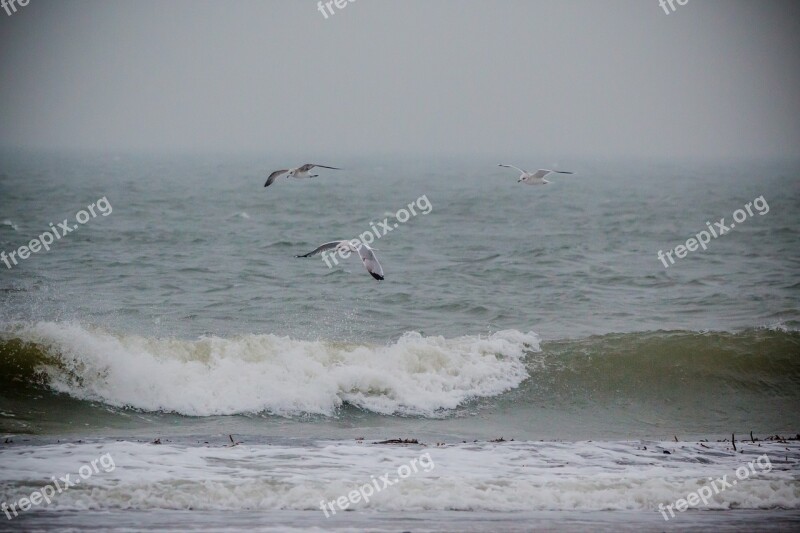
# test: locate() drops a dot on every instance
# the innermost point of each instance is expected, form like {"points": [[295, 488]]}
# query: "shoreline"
{"points": [[439, 521]]}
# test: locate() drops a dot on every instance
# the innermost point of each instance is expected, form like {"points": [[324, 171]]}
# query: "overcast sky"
{"points": [[586, 77]]}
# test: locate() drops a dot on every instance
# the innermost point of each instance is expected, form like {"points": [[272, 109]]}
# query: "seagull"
{"points": [[537, 178], [364, 251], [299, 173]]}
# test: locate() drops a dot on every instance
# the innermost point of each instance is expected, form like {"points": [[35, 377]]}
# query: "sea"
{"points": [[529, 362]]}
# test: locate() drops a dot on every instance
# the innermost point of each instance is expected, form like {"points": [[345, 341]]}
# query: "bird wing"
{"points": [[327, 246], [309, 166], [370, 262], [542, 172], [515, 168], [272, 177]]}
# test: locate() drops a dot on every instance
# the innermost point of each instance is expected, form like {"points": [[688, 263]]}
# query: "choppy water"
{"points": [[533, 313]]}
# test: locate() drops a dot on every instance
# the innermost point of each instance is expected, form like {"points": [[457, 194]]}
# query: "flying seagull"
{"points": [[299, 173], [364, 251], [536, 178]]}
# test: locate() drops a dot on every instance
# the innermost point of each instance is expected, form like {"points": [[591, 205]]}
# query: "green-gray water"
{"points": [[532, 313]]}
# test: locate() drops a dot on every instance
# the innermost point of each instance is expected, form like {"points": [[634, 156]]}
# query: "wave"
{"points": [[723, 379], [678, 362], [509, 477], [414, 376]]}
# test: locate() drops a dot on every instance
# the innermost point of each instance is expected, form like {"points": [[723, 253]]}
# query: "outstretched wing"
{"points": [[542, 172], [515, 168], [272, 177], [309, 166], [327, 246], [370, 262]]}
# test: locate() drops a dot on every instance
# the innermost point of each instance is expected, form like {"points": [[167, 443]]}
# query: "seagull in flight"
{"points": [[535, 178], [299, 173], [363, 250]]}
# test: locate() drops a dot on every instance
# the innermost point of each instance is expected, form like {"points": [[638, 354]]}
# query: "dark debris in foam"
{"points": [[775, 439], [399, 441], [404, 442]]}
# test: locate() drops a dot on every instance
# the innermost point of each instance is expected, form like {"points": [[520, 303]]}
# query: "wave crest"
{"points": [[415, 376]]}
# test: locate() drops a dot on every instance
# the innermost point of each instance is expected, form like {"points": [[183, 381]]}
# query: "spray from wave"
{"points": [[415, 376]]}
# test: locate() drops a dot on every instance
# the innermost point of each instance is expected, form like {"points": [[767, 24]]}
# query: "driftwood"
{"points": [[398, 441]]}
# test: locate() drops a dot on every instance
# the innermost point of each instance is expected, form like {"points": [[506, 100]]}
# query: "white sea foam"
{"points": [[9, 224], [521, 476], [266, 373]]}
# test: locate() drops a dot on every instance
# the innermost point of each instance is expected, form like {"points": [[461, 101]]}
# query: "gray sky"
{"points": [[583, 77]]}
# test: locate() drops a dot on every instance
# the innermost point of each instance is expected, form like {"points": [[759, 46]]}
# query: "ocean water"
{"points": [[180, 315]]}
